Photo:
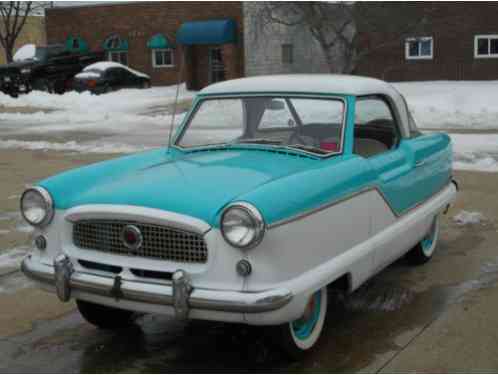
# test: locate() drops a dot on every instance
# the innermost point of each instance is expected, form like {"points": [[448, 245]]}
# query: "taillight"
{"points": [[91, 83]]}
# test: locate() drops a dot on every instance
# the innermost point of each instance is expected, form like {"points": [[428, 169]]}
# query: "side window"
{"points": [[376, 130]]}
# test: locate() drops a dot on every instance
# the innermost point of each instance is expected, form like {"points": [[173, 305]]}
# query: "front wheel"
{"points": [[298, 337], [105, 317], [424, 250]]}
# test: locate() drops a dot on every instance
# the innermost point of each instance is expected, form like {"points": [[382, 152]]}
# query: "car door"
{"points": [[112, 78], [378, 139]]}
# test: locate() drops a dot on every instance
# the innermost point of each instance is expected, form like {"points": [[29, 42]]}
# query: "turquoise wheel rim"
{"points": [[429, 239], [303, 328]]}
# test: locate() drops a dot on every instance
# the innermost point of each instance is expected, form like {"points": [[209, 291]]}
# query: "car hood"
{"points": [[16, 66], [198, 184]]}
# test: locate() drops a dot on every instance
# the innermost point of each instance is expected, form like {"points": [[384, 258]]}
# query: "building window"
{"points": [[118, 56], [76, 45], [419, 48], [287, 54], [162, 58], [486, 46]]}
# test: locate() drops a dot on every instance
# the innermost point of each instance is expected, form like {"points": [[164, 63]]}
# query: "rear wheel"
{"points": [[424, 250], [105, 317], [300, 336]]}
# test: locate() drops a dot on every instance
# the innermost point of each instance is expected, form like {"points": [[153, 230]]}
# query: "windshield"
{"points": [[310, 124]]}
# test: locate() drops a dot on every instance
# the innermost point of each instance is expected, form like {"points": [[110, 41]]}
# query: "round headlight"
{"points": [[37, 206], [242, 225]]}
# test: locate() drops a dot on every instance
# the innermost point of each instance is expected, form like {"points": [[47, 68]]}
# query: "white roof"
{"points": [[309, 83], [314, 83], [104, 65]]}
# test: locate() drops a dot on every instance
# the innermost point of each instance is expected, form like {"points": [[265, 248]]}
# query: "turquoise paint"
{"points": [[200, 184], [403, 184], [303, 329], [207, 32], [350, 116], [159, 41], [82, 45], [122, 44], [194, 184]]}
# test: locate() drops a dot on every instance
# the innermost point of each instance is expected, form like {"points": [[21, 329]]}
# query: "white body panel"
{"points": [[300, 256]]}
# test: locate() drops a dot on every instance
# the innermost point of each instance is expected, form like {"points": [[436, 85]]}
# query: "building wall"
{"points": [[137, 22], [33, 32], [453, 26], [263, 50]]}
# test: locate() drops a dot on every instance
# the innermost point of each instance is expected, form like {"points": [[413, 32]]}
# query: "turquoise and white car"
{"points": [[274, 190]]}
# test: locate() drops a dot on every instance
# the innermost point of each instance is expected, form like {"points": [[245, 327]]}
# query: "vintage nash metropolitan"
{"points": [[274, 190]]}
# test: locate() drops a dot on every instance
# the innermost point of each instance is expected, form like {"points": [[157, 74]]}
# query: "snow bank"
{"points": [[476, 152], [452, 104], [466, 217], [87, 147], [122, 101], [26, 52], [12, 257]]}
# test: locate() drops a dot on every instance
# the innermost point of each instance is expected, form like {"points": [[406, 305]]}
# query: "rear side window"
{"points": [[376, 129]]}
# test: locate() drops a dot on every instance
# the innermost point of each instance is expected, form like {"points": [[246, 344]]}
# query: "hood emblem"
{"points": [[131, 237]]}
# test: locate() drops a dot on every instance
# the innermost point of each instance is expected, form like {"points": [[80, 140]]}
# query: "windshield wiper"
{"points": [[259, 141]]}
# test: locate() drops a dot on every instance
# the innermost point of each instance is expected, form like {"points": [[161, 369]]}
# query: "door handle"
{"points": [[419, 163]]}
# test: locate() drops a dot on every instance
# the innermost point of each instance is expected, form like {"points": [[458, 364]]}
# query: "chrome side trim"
{"points": [[348, 197], [203, 299]]}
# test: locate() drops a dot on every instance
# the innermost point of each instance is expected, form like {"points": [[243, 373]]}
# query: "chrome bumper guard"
{"points": [[180, 294]]}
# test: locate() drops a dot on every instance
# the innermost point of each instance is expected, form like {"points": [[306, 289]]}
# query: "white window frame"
{"points": [[489, 55], [154, 50], [419, 57], [109, 56]]}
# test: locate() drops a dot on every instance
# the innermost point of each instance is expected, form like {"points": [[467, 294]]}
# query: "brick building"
{"points": [[457, 41], [154, 37], [220, 40]]}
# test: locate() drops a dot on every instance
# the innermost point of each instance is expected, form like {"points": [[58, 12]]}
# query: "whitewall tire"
{"points": [[425, 249], [301, 335]]}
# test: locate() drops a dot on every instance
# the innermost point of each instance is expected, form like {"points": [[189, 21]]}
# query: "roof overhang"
{"points": [[207, 32]]}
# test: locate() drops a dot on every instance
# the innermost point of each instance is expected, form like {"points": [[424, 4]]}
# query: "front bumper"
{"points": [[179, 294]]}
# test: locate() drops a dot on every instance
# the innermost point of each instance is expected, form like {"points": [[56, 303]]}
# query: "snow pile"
{"points": [[452, 104], [477, 152], [467, 217], [26, 52], [84, 147], [12, 257], [85, 75], [123, 101]]}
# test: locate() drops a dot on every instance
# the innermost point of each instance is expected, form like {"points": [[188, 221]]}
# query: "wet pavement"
{"points": [[364, 331], [374, 329]]}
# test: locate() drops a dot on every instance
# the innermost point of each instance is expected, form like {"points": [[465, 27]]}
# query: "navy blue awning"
{"points": [[207, 32]]}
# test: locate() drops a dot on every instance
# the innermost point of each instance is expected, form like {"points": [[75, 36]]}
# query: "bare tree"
{"points": [[347, 32], [13, 17]]}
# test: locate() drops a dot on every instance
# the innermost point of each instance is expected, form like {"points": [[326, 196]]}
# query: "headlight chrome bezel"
{"points": [[255, 216], [48, 206]]}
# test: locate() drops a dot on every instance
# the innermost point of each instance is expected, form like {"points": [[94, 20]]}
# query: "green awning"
{"points": [[159, 41], [115, 43], [76, 44], [207, 32]]}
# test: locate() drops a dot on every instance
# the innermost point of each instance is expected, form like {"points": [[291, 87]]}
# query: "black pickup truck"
{"points": [[51, 69]]}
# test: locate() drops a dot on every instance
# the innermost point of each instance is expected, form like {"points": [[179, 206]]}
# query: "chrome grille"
{"points": [[158, 242]]}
